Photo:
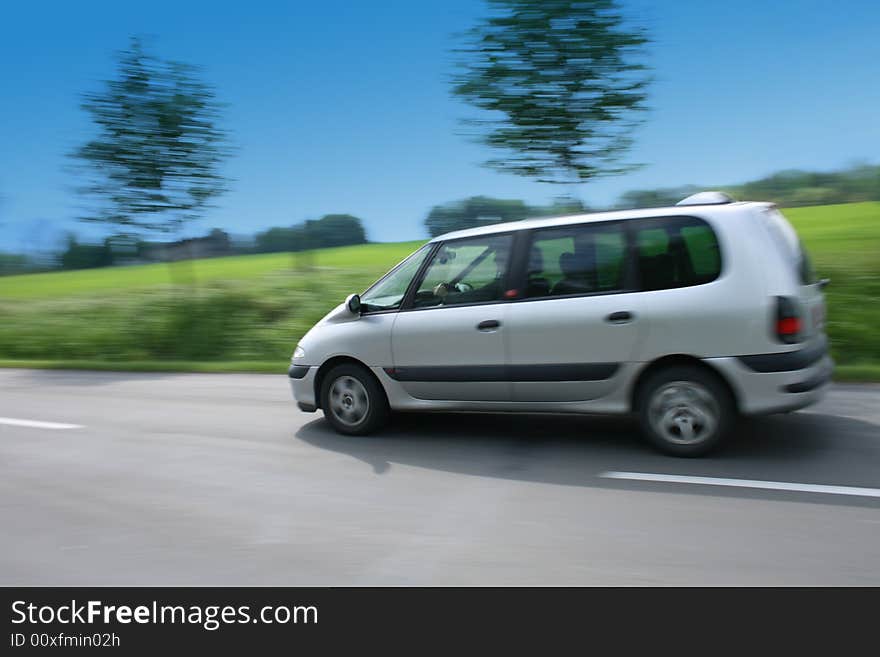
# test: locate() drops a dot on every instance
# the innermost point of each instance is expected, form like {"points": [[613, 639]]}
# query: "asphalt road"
{"points": [[192, 479]]}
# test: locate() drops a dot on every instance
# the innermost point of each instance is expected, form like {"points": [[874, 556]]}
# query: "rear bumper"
{"points": [[774, 383], [302, 385], [787, 361], [816, 381]]}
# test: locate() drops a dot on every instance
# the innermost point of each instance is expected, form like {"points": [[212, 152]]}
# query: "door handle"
{"points": [[620, 317], [488, 325]]}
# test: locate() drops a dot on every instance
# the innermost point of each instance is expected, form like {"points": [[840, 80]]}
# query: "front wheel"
{"points": [[353, 401], [685, 410]]}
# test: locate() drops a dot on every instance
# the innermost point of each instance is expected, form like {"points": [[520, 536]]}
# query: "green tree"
{"points": [[154, 164], [278, 239], [564, 205], [563, 82], [13, 263], [472, 212], [484, 210], [329, 230], [85, 256], [219, 242], [336, 230], [655, 198]]}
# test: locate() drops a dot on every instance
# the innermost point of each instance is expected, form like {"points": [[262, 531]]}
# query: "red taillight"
{"points": [[788, 322], [788, 326]]}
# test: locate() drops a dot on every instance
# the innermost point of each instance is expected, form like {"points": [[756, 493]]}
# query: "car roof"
{"points": [[641, 213]]}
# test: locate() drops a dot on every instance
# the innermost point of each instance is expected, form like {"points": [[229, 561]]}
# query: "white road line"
{"points": [[745, 483], [36, 424]]}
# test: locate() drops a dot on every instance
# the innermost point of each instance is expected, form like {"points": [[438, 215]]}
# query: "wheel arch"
{"points": [[330, 363], [674, 360]]}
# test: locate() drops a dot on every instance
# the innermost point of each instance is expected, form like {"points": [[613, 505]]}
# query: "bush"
{"points": [[231, 321]]}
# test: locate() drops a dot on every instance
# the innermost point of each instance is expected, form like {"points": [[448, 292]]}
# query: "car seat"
{"points": [[536, 285], [579, 273]]}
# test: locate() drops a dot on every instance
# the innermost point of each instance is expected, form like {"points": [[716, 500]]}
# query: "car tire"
{"points": [[353, 401], [685, 410]]}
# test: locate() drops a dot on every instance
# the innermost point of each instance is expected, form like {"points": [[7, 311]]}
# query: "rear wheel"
{"points": [[353, 401], [685, 410]]}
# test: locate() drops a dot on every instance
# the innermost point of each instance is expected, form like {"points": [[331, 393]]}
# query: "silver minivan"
{"points": [[685, 316]]}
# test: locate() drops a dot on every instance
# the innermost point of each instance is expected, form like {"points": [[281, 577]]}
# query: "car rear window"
{"points": [[676, 252]]}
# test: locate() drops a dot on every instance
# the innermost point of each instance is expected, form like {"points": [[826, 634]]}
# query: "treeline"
{"points": [[483, 211], [792, 188], [14, 263], [330, 230], [786, 188], [117, 250]]}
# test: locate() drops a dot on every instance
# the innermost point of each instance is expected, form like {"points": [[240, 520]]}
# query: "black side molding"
{"points": [[297, 371], [307, 408], [572, 372], [788, 361], [502, 373]]}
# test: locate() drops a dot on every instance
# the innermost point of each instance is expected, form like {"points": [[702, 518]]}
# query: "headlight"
{"points": [[299, 352]]}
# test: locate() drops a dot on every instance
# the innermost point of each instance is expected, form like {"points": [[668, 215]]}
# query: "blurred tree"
{"points": [[13, 263], [565, 77], [655, 198], [472, 212], [219, 242], [564, 205], [484, 210], [329, 230], [86, 256], [277, 239], [337, 230], [154, 163]]}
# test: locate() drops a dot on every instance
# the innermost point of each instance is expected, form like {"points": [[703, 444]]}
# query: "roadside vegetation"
{"points": [[247, 312], [245, 309], [844, 243], [251, 269]]}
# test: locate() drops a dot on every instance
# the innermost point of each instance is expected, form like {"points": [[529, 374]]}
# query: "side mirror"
{"points": [[353, 303]]}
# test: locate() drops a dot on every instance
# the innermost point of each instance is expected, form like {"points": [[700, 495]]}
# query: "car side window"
{"points": [[577, 259], [676, 252], [466, 271]]}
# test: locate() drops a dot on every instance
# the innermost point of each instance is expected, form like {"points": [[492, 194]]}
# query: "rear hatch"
{"points": [[808, 303]]}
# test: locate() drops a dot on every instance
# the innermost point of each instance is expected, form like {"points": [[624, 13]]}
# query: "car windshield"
{"points": [[388, 292]]}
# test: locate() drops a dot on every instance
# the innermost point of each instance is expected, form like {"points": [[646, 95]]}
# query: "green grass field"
{"points": [[844, 244], [372, 257], [247, 312]]}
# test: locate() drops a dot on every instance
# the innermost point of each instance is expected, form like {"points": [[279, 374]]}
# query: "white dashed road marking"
{"points": [[36, 424], [745, 483]]}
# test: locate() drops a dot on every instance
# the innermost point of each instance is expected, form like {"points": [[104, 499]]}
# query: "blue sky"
{"points": [[344, 106]]}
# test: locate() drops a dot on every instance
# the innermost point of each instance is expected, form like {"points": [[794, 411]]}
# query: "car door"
{"points": [[576, 324], [449, 342]]}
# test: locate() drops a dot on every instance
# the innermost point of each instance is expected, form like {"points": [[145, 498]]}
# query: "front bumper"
{"points": [[302, 385]]}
